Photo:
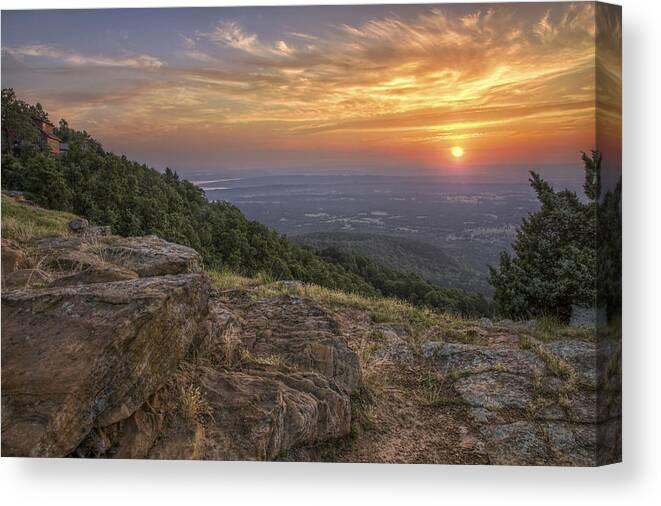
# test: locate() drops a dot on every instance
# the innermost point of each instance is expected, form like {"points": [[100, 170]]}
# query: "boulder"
{"points": [[576, 444], [581, 355], [470, 359], [148, 255], [96, 231], [495, 390], [14, 194], [180, 442], [152, 256], [485, 322], [97, 274], [393, 347], [526, 410], [260, 415], [74, 358], [71, 260], [302, 334], [78, 224]]}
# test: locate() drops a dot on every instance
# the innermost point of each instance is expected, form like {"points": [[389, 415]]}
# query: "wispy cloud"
{"points": [[230, 33], [74, 58], [492, 78]]}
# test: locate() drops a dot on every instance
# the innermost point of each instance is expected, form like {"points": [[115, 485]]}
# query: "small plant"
{"points": [[104, 253], [564, 401], [525, 342], [245, 357], [230, 343], [558, 367], [432, 387], [362, 414], [193, 404], [272, 360]]}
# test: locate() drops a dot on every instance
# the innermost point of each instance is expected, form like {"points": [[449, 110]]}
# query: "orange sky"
{"points": [[510, 83]]}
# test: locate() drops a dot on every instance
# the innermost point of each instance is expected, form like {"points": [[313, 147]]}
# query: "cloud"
{"points": [[493, 78], [74, 58], [188, 42], [230, 34]]}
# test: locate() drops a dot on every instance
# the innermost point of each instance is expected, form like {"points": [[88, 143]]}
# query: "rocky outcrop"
{"points": [[123, 350], [260, 415], [107, 273], [118, 347], [76, 358], [299, 332], [23, 278], [532, 403], [147, 256]]}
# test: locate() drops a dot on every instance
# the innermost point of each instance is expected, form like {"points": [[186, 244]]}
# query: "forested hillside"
{"points": [[405, 255], [137, 200], [406, 286]]}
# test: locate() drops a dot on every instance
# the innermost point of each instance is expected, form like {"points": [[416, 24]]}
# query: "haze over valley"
{"points": [[461, 226]]}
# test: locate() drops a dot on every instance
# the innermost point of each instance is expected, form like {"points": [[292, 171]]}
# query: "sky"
{"points": [[390, 88]]}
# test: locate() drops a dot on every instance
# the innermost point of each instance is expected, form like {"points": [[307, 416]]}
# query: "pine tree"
{"points": [[554, 260]]}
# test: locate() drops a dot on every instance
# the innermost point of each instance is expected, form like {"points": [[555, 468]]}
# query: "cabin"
{"points": [[48, 138]]}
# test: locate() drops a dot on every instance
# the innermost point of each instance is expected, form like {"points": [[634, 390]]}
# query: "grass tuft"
{"points": [[193, 404], [224, 279], [23, 223], [381, 310]]}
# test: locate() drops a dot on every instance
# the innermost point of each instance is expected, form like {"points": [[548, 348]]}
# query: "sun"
{"points": [[457, 151]]}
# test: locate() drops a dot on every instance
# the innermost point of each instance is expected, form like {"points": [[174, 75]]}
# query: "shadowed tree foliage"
{"points": [[609, 249], [555, 256], [407, 286], [18, 128], [137, 200]]}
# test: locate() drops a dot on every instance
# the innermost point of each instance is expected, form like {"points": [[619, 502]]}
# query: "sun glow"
{"points": [[457, 151]]}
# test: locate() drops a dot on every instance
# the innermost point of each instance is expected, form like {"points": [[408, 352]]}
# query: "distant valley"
{"points": [[446, 232]]}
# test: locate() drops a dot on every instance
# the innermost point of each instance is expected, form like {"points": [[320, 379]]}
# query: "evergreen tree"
{"points": [[554, 260]]}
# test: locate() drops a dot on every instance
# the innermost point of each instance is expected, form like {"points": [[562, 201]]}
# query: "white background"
{"points": [[635, 482]]}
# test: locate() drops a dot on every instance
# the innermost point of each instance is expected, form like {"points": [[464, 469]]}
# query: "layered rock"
{"points": [[260, 415], [532, 403], [76, 358], [147, 256], [121, 350], [299, 332]]}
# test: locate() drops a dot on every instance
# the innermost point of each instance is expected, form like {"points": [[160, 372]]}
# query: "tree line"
{"points": [[135, 199]]}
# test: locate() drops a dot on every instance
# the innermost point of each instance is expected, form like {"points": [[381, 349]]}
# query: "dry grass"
{"points": [[23, 223], [229, 347], [194, 406], [435, 389], [224, 279], [272, 360], [381, 309], [558, 366], [548, 329], [432, 385]]}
